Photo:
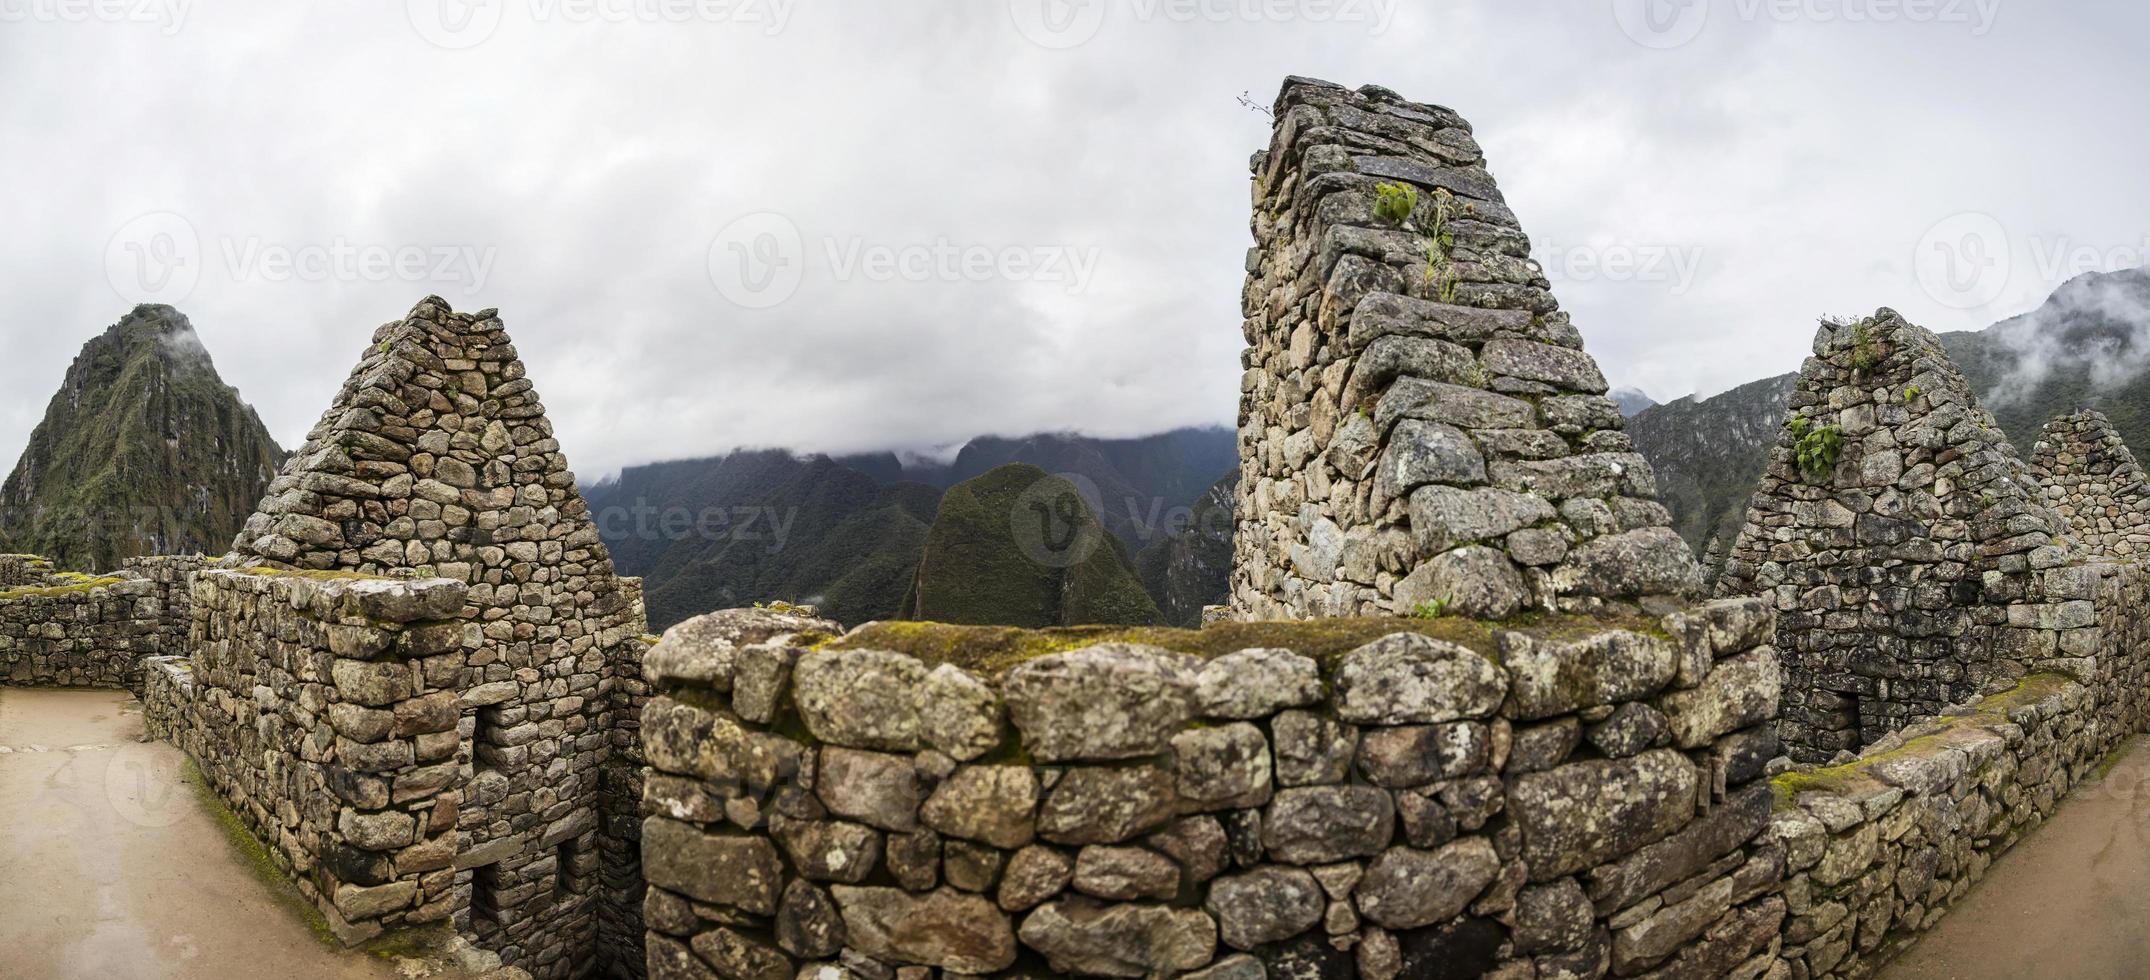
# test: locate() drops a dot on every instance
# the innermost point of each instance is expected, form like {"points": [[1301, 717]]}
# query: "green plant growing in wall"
{"points": [[1818, 450], [1435, 609], [1865, 349], [1911, 394], [1394, 203]]}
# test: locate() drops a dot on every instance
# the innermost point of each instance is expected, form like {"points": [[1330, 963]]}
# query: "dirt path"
{"points": [[2069, 901], [110, 865]]}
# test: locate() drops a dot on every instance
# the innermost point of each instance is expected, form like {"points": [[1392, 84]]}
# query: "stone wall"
{"points": [[66, 630], [1419, 424], [1878, 850], [2091, 479], [19, 571], [436, 460], [323, 711], [1377, 797], [1900, 537]]}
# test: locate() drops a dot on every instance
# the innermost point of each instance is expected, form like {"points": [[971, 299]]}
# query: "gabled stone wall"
{"points": [[1375, 798], [1902, 553], [2091, 479], [65, 630], [436, 460], [323, 711], [1419, 424]]}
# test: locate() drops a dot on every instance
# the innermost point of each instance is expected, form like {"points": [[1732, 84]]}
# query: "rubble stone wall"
{"points": [[65, 630], [1419, 423], [2091, 478], [18, 571], [1878, 850], [1379, 798], [436, 459], [1902, 541], [323, 711]]}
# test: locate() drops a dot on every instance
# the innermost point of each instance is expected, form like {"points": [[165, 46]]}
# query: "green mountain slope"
{"points": [[144, 450], [1192, 567], [1018, 546]]}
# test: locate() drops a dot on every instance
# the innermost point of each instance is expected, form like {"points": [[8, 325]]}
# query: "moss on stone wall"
{"points": [[1985, 715]]}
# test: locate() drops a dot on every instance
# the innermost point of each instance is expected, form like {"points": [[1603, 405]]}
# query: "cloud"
{"points": [[575, 163]]}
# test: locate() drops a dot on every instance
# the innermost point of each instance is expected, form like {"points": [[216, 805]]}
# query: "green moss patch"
{"points": [[993, 649], [73, 586], [1857, 778], [255, 855]]}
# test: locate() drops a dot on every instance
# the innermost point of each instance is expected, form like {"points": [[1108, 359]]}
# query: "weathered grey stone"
{"points": [[704, 650], [1445, 517], [808, 924], [1312, 749], [1034, 874], [992, 804], [739, 956], [1198, 843], [1112, 701], [860, 698], [1222, 768], [958, 713], [1124, 874], [1554, 677], [1326, 824], [1406, 678], [1250, 684], [1633, 727], [1413, 755], [1091, 805], [1553, 917], [1739, 691], [1265, 905], [828, 850], [1476, 582], [872, 788], [1406, 888], [949, 929], [741, 872], [1581, 814], [1081, 937]]}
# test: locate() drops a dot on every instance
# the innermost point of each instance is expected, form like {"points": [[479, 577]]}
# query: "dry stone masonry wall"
{"points": [[1551, 802], [1880, 848], [1901, 540], [323, 711], [1419, 424], [436, 461], [66, 630], [2091, 479]]}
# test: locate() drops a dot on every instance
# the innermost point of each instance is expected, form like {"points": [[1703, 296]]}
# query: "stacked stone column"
{"points": [[1420, 428]]}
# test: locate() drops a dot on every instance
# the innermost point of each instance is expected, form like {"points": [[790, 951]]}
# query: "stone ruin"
{"points": [[1419, 424], [1901, 539], [420, 683], [2092, 481]]}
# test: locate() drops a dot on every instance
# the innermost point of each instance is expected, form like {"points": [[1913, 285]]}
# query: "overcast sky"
{"points": [[841, 225]]}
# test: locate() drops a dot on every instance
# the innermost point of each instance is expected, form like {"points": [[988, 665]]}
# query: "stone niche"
{"points": [[1913, 561], [2091, 479], [1370, 797], [1420, 428]]}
